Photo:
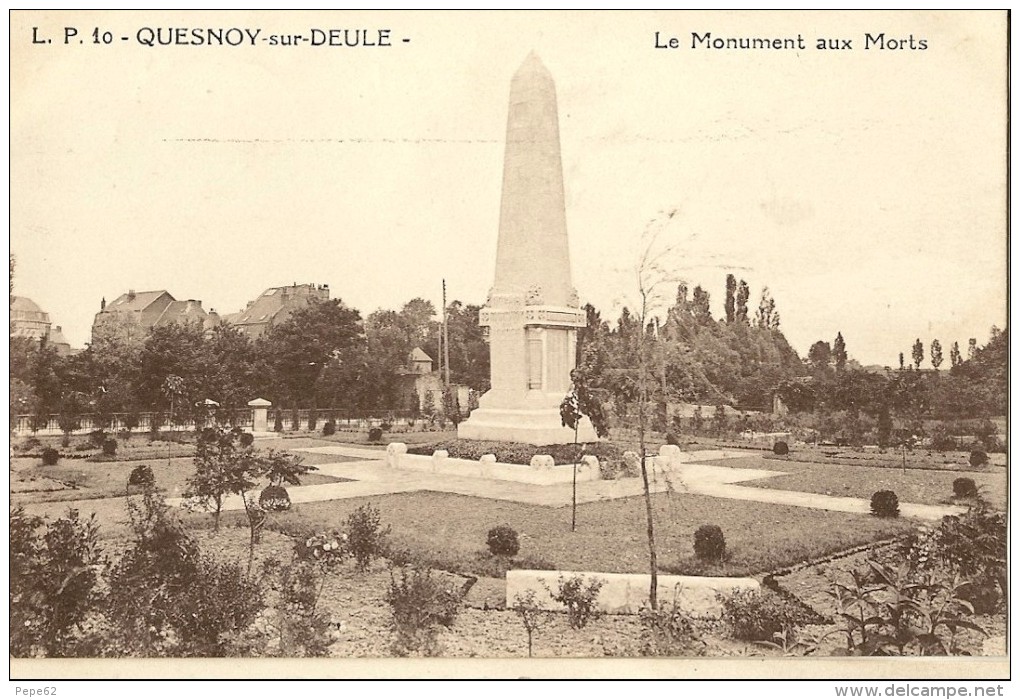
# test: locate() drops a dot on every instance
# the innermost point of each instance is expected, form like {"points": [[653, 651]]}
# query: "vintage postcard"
{"points": [[509, 344]]}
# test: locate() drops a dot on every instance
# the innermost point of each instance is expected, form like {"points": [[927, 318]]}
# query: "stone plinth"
{"points": [[260, 415]]}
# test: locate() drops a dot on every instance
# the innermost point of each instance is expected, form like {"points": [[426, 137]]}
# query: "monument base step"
{"points": [[533, 427]]}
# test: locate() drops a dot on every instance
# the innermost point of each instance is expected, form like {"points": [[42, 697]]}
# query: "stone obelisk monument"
{"points": [[532, 311]]}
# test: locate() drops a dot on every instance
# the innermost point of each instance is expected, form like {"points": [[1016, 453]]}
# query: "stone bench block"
{"points": [[393, 453]]}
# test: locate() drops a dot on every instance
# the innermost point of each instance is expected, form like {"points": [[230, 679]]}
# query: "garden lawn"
{"points": [[449, 531], [83, 480], [911, 486]]}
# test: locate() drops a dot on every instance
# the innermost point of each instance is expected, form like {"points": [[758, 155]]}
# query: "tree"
{"points": [[581, 400], [312, 339], [731, 302], [839, 352], [766, 310], [955, 359], [220, 463], [820, 355], [652, 277], [177, 350], [936, 354], [901, 361], [971, 348], [743, 295], [917, 352], [700, 307]]}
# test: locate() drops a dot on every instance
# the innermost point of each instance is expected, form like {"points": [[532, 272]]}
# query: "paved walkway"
{"points": [[371, 477]]}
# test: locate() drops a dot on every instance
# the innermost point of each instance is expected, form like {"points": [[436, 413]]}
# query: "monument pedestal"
{"points": [[532, 350]]}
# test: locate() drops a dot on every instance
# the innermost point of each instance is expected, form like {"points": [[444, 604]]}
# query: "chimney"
{"points": [[131, 295], [102, 304]]}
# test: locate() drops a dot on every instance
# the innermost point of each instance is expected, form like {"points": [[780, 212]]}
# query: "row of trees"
{"points": [[323, 355], [690, 356]]}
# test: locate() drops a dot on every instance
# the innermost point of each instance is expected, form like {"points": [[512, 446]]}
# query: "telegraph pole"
{"points": [[446, 341]]}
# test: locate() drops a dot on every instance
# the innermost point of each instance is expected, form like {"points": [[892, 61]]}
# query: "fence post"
{"points": [[260, 417]]}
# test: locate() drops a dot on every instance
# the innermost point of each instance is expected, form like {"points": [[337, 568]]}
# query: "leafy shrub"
{"points": [[672, 438], [53, 582], [503, 542], [971, 546], [709, 543], [781, 448], [167, 599], [385, 426], [964, 487], [274, 498], [889, 612], [365, 539], [110, 447], [375, 434], [580, 599], [978, 458], [885, 504], [668, 631], [982, 597], [50, 456], [97, 438], [246, 440], [329, 427], [421, 605], [294, 627], [756, 616], [141, 476]]}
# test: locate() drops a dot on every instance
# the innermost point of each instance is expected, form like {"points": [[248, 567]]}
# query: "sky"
{"points": [[865, 188]]}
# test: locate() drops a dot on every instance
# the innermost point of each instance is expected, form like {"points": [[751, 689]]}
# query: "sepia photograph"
{"points": [[496, 344]]}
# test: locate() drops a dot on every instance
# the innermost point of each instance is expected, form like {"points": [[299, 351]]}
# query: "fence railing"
{"points": [[344, 419]]}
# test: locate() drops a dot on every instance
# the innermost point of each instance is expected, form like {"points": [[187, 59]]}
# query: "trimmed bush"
{"points": [[709, 543], [978, 458], [329, 427], [964, 487], [246, 439], [141, 476], [672, 438], [278, 422], [503, 542], [110, 447], [885, 504], [50, 456], [274, 498], [375, 434], [781, 448]]}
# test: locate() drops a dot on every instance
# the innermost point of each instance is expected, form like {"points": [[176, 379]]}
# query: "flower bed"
{"points": [[520, 453]]}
